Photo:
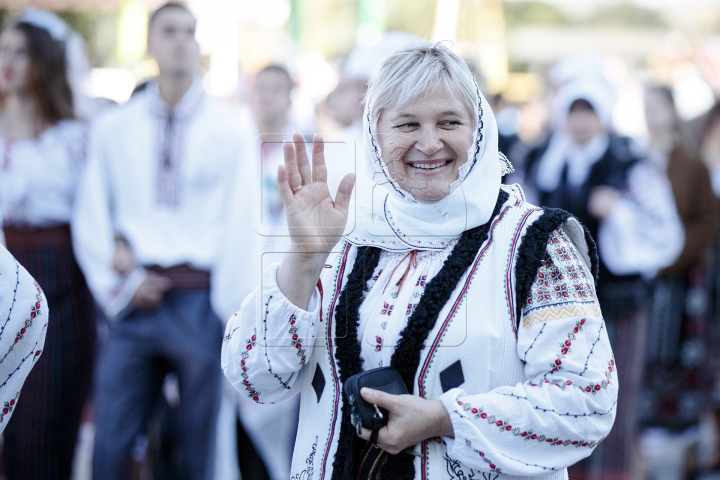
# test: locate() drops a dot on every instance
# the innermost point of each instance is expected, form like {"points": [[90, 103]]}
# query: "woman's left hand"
{"points": [[411, 420]]}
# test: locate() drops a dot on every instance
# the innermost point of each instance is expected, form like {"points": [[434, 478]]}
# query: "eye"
{"points": [[407, 126], [450, 123]]}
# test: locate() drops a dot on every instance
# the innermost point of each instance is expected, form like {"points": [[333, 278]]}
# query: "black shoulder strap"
{"points": [[532, 251]]}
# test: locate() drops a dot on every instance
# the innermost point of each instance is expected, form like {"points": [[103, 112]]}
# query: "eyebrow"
{"points": [[410, 115]]}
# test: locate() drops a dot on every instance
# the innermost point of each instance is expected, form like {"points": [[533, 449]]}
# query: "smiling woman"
{"points": [[448, 258], [426, 143]]}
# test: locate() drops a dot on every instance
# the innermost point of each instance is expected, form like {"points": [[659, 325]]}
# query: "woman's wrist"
{"points": [[297, 276], [305, 265], [443, 424]]}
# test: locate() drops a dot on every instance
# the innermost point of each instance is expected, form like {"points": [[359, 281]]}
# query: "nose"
{"points": [[429, 142]]}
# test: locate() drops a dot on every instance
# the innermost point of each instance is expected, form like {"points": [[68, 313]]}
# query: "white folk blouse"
{"points": [[529, 401], [23, 324], [161, 178], [39, 177]]}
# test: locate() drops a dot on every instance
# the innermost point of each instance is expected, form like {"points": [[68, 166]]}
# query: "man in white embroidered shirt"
{"points": [[150, 213]]}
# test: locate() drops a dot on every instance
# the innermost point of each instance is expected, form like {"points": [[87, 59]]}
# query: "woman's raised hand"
{"points": [[315, 221]]}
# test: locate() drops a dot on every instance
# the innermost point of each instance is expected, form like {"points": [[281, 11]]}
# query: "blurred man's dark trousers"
{"points": [[183, 336]]}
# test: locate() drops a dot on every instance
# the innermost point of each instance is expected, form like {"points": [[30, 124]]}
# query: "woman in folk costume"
{"points": [[627, 204], [708, 150], [677, 380], [43, 149], [484, 304]]}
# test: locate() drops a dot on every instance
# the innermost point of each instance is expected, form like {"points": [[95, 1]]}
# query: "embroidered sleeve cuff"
{"points": [[270, 287], [449, 400]]}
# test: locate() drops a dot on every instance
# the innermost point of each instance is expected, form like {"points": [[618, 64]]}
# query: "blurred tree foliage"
{"points": [[96, 26], [533, 13], [415, 16], [626, 15], [326, 25]]}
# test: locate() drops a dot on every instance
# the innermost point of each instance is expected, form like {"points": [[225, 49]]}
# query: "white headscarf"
{"points": [[561, 147], [394, 220]]}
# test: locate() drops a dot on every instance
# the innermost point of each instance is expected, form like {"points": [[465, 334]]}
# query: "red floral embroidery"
{"points": [[250, 343], [296, 341], [8, 407], [594, 388], [421, 281], [35, 311], [492, 466], [410, 309], [561, 384], [387, 309], [378, 343], [565, 346], [505, 426], [561, 277]]}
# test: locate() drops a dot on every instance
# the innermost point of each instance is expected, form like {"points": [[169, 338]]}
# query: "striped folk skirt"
{"points": [[40, 438]]}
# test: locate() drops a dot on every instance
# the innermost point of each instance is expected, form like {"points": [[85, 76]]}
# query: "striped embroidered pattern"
{"points": [[564, 312], [504, 426], [339, 276]]}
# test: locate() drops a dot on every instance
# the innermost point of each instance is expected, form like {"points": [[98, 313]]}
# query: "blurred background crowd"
{"points": [[606, 108]]}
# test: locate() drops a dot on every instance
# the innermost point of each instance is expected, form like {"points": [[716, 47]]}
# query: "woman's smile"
{"points": [[424, 143], [429, 166]]}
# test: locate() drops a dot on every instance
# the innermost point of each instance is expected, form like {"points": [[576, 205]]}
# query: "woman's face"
{"points": [[659, 114], [583, 125], [14, 62], [425, 143]]}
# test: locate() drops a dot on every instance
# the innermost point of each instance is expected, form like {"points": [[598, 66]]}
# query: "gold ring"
{"points": [[295, 189]]}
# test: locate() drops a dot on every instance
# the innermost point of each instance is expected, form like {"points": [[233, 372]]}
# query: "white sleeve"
{"points": [[644, 233], [94, 234], [269, 341], [23, 324], [567, 405], [236, 270]]}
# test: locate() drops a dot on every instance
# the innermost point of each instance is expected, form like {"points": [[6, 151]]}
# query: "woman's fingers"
{"points": [[286, 195], [342, 198], [301, 157], [319, 170], [381, 399], [291, 165]]}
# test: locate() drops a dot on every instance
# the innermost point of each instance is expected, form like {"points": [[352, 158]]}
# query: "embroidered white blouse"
{"points": [[524, 402], [23, 324], [39, 177], [163, 180], [644, 233]]}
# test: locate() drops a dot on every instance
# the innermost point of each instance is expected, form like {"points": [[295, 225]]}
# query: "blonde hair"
{"points": [[414, 72]]}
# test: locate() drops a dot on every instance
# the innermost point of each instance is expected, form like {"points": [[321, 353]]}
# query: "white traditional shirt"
{"points": [[163, 180], [23, 324], [526, 401], [644, 233], [39, 177]]}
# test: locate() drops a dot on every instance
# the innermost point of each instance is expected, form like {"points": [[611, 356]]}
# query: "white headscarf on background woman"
{"points": [[562, 150], [394, 220]]}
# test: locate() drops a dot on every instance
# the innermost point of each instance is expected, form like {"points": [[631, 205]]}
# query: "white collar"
{"points": [[185, 108]]}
